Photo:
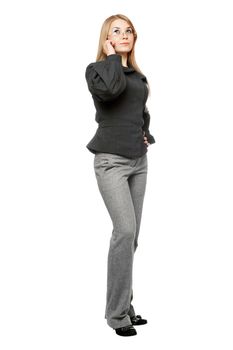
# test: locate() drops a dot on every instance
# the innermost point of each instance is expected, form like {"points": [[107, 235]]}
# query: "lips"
{"points": [[124, 43]]}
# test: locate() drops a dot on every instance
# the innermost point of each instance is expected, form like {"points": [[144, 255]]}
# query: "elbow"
{"points": [[116, 90], [111, 93]]}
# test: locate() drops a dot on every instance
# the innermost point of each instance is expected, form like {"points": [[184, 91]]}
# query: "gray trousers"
{"points": [[122, 184]]}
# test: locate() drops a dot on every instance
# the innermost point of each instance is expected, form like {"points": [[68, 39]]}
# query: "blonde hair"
{"points": [[103, 36]]}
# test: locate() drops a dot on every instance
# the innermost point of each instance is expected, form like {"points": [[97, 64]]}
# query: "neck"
{"points": [[124, 57]]}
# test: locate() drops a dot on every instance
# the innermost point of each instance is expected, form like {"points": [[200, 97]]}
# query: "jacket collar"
{"points": [[128, 69]]}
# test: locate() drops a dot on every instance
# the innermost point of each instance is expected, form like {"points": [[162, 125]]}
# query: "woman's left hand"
{"points": [[145, 140]]}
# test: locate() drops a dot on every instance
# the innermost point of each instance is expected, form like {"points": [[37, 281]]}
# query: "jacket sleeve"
{"points": [[146, 117], [106, 79]]}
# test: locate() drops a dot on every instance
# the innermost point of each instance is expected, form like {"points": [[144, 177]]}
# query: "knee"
{"points": [[126, 231]]}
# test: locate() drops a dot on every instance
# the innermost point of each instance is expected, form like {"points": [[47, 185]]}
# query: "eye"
{"points": [[117, 31], [129, 31]]}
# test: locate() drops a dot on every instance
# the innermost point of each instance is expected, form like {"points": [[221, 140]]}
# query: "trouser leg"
{"points": [[137, 185], [120, 255]]}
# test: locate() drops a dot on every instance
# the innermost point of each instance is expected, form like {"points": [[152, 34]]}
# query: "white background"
{"points": [[55, 229]]}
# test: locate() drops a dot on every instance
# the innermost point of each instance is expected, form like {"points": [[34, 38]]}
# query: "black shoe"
{"points": [[126, 331], [138, 320]]}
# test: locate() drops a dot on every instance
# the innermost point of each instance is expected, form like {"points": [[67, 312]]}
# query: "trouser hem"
{"points": [[118, 324]]}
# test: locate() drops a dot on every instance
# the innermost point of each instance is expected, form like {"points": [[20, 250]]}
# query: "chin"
{"points": [[126, 50]]}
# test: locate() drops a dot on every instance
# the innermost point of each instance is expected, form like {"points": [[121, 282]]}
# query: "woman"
{"points": [[119, 91]]}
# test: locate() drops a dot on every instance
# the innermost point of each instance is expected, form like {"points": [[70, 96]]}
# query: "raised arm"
{"points": [[106, 79]]}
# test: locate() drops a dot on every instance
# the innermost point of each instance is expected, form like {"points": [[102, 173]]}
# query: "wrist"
{"points": [[111, 53]]}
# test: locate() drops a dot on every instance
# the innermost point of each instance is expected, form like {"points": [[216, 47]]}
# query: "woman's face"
{"points": [[121, 35]]}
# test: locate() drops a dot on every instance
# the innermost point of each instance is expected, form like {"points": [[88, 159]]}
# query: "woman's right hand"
{"points": [[108, 48]]}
